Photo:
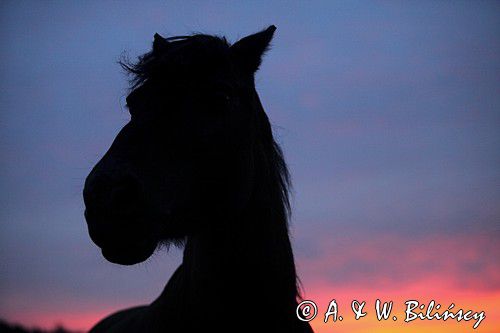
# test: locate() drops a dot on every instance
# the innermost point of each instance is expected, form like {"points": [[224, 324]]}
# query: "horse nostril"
{"points": [[126, 196], [104, 196]]}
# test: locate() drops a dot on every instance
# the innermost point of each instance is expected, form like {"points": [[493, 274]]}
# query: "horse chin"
{"points": [[129, 254]]}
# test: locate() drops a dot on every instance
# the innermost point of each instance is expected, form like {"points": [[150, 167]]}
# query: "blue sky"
{"points": [[388, 112]]}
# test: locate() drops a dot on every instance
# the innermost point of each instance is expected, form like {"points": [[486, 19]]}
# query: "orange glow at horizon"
{"points": [[422, 292]]}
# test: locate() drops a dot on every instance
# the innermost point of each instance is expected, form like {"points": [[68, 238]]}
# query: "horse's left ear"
{"points": [[248, 51], [160, 44]]}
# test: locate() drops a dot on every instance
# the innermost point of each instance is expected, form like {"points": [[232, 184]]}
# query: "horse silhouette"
{"points": [[197, 166]]}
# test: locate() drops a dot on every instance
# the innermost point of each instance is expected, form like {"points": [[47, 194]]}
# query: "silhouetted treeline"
{"points": [[14, 328]]}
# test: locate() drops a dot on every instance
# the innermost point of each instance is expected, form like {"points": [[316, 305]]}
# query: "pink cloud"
{"points": [[466, 262]]}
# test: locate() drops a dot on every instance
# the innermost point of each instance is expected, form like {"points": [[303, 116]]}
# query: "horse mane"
{"points": [[278, 187], [182, 50]]}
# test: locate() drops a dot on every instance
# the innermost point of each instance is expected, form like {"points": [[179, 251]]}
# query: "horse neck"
{"points": [[250, 255]]}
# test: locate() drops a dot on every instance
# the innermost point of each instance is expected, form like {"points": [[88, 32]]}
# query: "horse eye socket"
{"points": [[222, 97]]}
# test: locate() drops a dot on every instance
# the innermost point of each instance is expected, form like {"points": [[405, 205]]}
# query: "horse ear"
{"points": [[249, 50], [160, 44]]}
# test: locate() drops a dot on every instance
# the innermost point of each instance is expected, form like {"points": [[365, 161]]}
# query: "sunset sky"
{"points": [[388, 113]]}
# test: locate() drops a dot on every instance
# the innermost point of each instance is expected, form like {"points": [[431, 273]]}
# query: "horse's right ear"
{"points": [[248, 51], [160, 44]]}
